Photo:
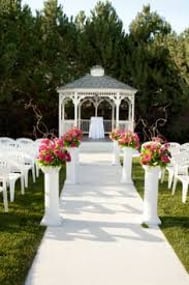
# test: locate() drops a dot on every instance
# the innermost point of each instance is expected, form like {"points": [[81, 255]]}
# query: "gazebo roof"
{"points": [[97, 80]]}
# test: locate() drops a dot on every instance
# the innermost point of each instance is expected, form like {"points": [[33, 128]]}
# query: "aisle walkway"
{"points": [[101, 241]]}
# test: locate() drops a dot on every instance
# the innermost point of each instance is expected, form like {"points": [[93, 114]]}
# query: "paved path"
{"points": [[101, 241]]}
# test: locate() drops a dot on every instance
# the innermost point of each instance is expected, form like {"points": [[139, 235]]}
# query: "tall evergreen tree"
{"points": [[152, 69], [101, 37]]}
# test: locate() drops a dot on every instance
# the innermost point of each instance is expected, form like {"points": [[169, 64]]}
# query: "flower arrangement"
{"points": [[154, 153], [53, 153], [114, 135], [159, 139], [72, 138], [129, 139]]}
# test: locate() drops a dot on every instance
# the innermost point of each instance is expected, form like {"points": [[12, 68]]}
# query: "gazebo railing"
{"points": [[84, 124]]}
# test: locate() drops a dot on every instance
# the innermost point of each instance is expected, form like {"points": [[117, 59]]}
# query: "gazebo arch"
{"points": [[96, 87]]}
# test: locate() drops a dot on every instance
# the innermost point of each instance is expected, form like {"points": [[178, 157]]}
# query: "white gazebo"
{"points": [[96, 88]]}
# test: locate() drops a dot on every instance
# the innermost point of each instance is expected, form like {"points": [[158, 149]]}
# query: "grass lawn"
{"points": [[173, 214], [20, 231]]}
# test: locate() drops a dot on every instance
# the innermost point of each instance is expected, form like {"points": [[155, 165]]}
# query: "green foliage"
{"points": [[40, 52], [154, 71], [101, 37]]}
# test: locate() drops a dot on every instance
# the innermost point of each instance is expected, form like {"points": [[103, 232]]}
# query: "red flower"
{"points": [[154, 153], [53, 153], [72, 137], [129, 139]]}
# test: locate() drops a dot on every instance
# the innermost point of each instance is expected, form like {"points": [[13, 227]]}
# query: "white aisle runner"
{"points": [[101, 241]]}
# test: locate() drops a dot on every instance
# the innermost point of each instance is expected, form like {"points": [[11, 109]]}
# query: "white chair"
{"points": [[184, 179], [25, 141], [184, 147], [181, 174], [174, 149], [19, 165], [4, 140], [3, 188], [37, 144], [10, 178]]}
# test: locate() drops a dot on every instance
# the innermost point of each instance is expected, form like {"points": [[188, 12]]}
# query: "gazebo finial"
{"points": [[97, 70]]}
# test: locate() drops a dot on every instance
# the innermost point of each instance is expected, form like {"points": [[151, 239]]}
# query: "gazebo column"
{"points": [[96, 109], [117, 102], [113, 116], [61, 116], [79, 116], [130, 116], [76, 102], [133, 113]]}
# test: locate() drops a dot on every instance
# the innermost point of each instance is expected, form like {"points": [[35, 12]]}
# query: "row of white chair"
{"points": [[178, 168], [17, 158]]}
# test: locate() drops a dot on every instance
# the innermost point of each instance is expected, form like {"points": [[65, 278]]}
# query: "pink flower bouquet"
{"points": [[53, 153], [155, 154], [72, 138], [129, 139], [115, 134]]}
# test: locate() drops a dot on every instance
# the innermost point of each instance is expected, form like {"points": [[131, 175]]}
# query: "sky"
{"points": [[175, 12]]}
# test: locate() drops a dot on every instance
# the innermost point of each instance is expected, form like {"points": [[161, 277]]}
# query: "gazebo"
{"points": [[92, 90]]}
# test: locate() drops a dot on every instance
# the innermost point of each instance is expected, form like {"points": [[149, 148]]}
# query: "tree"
{"points": [[100, 38], [152, 69]]}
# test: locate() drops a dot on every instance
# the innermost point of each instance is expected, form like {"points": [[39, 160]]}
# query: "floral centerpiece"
{"points": [[72, 138], [53, 153], [129, 139], [114, 135], [154, 153]]}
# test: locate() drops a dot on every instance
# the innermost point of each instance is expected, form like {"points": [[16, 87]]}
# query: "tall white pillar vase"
{"points": [[51, 176], [116, 153], [151, 180], [77, 154], [72, 166], [127, 165]]}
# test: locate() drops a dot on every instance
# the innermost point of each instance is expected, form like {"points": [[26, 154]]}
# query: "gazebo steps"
{"points": [[96, 146]]}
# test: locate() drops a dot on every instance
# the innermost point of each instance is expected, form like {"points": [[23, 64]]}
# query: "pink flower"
{"points": [[53, 153], [129, 139], [72, 137], [154, 153]]}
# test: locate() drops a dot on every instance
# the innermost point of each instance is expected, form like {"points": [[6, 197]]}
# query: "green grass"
{"points": [[20, 231], [173, 213]]}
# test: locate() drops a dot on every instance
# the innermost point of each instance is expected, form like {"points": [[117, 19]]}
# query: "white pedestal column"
{"points": [[51, 216], [127, 165], [151, 181], [72, 166], [116, 153]]}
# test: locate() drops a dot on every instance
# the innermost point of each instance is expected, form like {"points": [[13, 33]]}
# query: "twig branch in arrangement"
{"points": [[152, 130], [40, 127]]}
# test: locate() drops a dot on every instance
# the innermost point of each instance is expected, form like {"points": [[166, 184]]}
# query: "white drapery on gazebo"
{"points": [[96, 87]]}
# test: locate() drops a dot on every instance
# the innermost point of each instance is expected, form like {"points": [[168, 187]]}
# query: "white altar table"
{"points": [[96, 128]]}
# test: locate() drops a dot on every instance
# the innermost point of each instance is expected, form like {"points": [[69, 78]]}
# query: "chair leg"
{"points": [[162, 173], [5, 200], [174, 185], [26, 178], [37, 170], [22, 184], [12, 189], [184, 191], [170, 180], [33, 173]]}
